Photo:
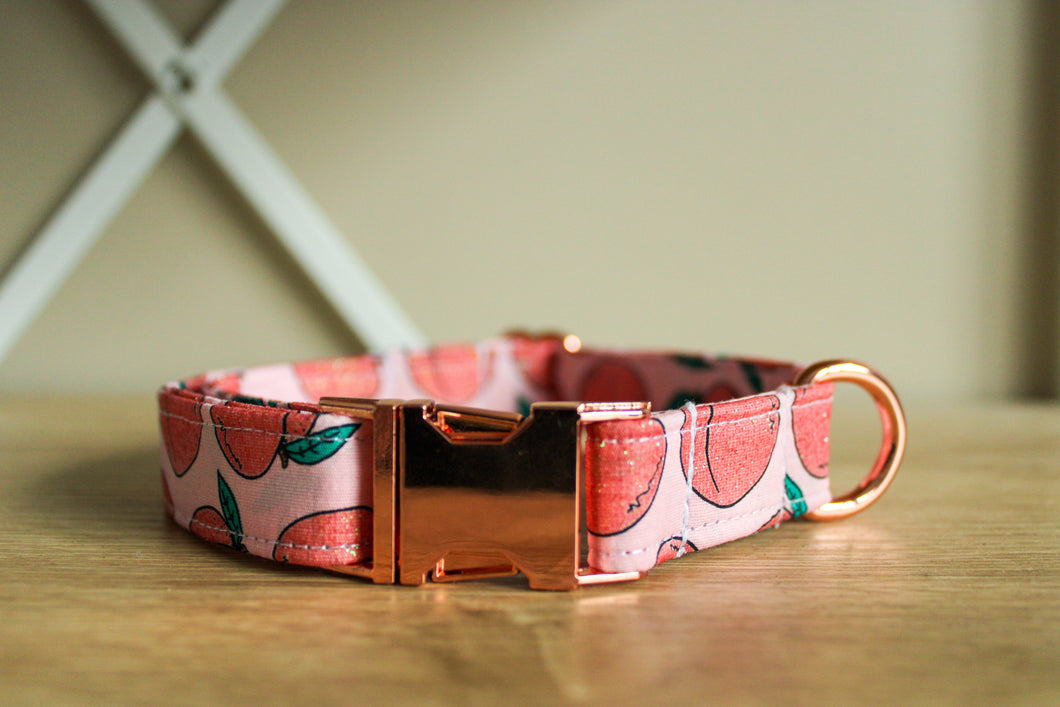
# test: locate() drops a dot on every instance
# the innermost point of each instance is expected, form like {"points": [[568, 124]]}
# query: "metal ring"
{"points": [[892, 444]]}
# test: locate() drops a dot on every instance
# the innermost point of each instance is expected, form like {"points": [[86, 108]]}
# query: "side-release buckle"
{"points": [[462, 493]]}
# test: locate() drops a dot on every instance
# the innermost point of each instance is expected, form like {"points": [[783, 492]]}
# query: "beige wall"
{"points": [[797, 180]]}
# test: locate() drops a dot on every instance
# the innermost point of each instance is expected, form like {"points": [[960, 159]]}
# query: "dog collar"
{"points": [[360, 471]]}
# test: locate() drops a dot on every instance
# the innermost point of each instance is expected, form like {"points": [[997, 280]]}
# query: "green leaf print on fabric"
{"points": [[230, 511], [315, 448], [692, 361], [794, 494]]}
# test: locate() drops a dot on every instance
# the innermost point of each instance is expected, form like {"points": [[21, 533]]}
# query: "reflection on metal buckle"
{"points": [[461, 493]]}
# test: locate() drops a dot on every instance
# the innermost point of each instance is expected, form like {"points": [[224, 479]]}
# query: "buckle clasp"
{"points": [[461, 493]]}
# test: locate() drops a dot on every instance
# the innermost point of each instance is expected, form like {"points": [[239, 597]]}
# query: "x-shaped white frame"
{"points": [[187, 82]]}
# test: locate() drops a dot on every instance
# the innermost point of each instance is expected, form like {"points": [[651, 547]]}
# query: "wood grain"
{"points": [[946, 592]]}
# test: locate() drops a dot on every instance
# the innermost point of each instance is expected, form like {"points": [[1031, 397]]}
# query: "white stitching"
{"points": [[602, 441], [637, 551], [690, 473], [200, 423], [183, 518]]}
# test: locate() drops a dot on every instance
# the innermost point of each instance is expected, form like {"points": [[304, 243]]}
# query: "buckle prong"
{"points": [[462, 493]]}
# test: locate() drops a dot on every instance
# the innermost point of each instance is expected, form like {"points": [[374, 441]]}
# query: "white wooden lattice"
{"points": [[188, 94]]}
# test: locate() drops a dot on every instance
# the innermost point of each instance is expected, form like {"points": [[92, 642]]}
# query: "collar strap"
{"points": [[359, 471]]}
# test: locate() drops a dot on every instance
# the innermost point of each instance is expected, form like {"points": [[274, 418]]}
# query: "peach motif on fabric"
{"points": [[250, 461]]}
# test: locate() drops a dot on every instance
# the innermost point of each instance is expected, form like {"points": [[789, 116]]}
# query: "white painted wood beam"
{"points": [[78, 223], [188, 83]]}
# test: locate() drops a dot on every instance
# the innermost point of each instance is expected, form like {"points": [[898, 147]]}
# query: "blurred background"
{"points": [[796, 180]]}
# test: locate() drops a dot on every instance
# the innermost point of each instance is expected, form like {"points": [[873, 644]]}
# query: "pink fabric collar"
{"points": [[734, 448]]}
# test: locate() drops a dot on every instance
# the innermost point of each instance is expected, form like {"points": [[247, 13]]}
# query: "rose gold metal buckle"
{"points": [[461, 493], [892, 444]]}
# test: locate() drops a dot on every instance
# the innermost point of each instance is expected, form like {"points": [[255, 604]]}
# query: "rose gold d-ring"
{"points": [[892, 445]]}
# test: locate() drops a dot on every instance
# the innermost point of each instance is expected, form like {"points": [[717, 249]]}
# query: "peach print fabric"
{"points": [[250, 461]]}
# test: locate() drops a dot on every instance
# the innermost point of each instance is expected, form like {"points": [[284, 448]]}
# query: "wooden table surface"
{"points": [[946, 592]]}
